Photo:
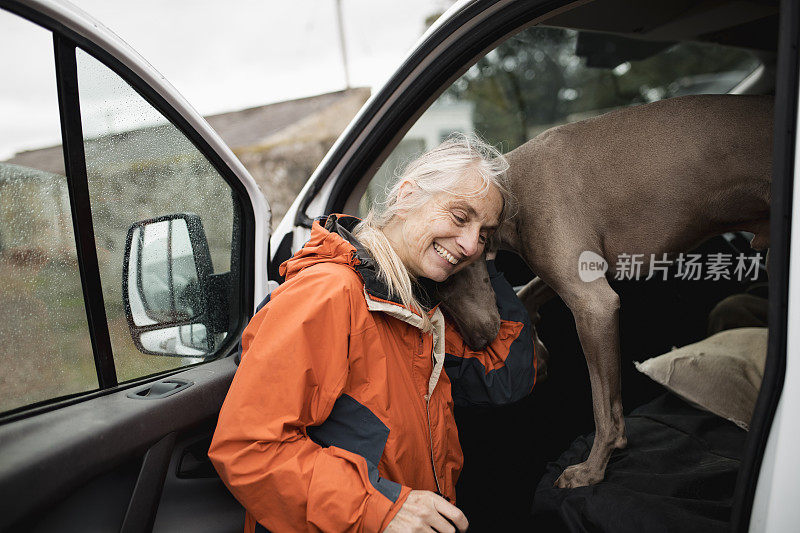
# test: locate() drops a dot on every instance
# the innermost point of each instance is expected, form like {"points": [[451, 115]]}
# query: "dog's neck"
{"points": [[527, 158]]}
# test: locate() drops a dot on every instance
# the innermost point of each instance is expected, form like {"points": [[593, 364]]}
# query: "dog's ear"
{"points": [[491, 246]]}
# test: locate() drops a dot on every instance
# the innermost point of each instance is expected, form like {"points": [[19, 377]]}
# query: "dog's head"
{"points": [[469, 301]]}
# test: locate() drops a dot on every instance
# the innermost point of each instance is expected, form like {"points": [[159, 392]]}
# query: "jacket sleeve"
{"points": [[294, 367], [503, 372]]}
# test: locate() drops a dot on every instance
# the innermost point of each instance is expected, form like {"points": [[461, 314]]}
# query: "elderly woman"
{"points": [[340, 417]]}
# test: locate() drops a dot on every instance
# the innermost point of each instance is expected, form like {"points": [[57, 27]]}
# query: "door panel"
{"points": [[77, 465], [194, 497], [99, 505]]}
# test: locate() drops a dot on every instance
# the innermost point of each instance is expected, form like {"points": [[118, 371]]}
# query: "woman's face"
{"points": [[448, 232]]}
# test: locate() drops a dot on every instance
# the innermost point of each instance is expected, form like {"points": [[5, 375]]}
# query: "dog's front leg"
{"points": [[533, 295], [595, 306]]}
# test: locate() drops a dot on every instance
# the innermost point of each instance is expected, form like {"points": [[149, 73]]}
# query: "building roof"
{"points": [[239, 129], [251, 126]]}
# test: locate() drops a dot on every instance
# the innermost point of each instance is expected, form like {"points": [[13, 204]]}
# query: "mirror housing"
{"points": [[167, 286]]}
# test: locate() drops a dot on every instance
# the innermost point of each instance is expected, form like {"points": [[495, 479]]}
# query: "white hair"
{"points": [[444, 169]]}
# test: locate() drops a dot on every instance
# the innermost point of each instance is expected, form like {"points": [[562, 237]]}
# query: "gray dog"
{"points": [[652, 179]]}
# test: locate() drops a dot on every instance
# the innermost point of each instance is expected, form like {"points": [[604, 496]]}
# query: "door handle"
{"points": [[160, 389]]}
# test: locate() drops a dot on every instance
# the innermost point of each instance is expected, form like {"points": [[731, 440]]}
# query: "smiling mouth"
{"points": [[447, 256]]}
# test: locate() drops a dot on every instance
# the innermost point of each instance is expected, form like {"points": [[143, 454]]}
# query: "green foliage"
{"points": [[535, 80]]}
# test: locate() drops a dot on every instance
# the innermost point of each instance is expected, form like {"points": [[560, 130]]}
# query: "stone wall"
{"points": [[282, 163]]}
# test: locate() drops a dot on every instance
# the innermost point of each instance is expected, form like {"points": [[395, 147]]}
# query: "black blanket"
{"points": [[677, 473]]}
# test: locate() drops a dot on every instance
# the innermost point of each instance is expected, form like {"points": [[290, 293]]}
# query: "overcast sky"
{"points": [[221, 56]]}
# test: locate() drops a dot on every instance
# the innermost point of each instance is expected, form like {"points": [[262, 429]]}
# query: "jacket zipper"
{"points": [[430, 436], [430, 428]]}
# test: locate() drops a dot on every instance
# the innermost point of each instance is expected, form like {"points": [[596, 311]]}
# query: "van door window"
{"points": [[45, 349], [140, 166], [543, 77]]}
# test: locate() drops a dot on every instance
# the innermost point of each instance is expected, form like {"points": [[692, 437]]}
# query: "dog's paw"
{"points": [[579, 475]]}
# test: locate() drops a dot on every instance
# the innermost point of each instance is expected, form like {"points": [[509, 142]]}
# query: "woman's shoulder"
{"points": [[325, 278]]}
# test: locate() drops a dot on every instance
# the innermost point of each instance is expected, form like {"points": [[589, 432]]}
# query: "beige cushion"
{"points": [[721, 374]]}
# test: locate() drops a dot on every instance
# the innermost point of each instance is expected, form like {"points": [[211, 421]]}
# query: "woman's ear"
{"points": [[404, 195]]}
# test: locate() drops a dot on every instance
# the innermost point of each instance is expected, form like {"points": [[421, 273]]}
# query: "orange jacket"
{"points": [[340, 406]]}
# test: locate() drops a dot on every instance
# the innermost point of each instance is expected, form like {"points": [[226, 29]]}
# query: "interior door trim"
{"points": [[785, 135], [142, 508], [48, 456]]}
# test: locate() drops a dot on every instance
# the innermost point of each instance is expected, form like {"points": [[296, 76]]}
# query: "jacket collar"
{"points": [[377, 295], [367, 267]]}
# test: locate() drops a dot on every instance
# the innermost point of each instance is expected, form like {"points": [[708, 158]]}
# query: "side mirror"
{"points": [[165, 283]]}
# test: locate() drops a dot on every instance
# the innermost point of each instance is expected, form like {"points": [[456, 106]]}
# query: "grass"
{"points": [[46, 350]]}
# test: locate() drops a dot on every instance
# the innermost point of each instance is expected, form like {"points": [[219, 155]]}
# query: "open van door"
{"points": [[133, 248]]}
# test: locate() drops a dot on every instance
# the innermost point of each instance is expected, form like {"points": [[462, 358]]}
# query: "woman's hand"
{"points": [[424, 511]]}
